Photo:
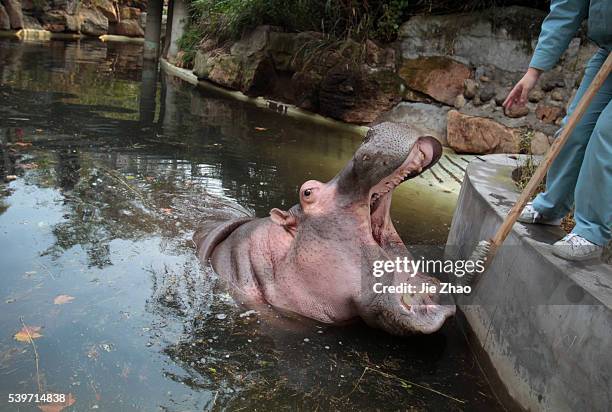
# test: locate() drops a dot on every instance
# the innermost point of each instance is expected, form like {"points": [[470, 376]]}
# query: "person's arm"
{"points": [[558, 29]]}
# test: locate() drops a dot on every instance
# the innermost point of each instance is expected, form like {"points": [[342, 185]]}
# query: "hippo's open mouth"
{"points": [[418, 159]]}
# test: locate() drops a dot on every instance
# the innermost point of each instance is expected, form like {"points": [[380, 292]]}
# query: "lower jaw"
{"points": [[380, 221]]}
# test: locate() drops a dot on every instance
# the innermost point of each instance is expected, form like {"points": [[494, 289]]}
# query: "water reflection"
{"points": [[123, 166]]}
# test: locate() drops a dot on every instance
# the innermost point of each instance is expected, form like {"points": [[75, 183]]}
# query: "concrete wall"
{"points": [[179, 18], [545, 324]]}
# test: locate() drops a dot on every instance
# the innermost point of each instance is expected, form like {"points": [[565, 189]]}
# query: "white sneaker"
{"points": [[575, 247], [530, 215]]}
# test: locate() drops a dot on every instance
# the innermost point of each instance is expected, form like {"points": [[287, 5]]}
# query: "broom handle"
{"points": [[554, 150]]}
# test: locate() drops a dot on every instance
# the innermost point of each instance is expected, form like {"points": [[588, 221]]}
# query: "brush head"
{"points": [[483, 252]]}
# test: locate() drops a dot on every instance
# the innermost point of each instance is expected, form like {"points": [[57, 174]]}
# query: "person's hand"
{"points": [[518, 95]]}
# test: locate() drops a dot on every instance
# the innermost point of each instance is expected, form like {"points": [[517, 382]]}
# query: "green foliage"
{"points": [[229, 19], [189, 41]]}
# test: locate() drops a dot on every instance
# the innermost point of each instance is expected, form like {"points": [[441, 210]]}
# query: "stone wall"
{"points": [[461, 67], [88, 17], [346, 80], [446, 75]]}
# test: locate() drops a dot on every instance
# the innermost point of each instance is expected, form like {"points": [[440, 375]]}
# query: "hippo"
{"points": [[316, 259]]}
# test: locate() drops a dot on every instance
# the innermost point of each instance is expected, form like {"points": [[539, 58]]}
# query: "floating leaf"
{"points": [[62, 299], [58, 406], [28, 166], [28, 332], [261, 129]]}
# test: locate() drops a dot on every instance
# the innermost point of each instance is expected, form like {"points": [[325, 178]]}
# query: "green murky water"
{"points": [[114, 167]]}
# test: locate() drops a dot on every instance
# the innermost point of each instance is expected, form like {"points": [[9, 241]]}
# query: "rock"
{"points": [[28, 5], [257, 76], [535, 95], [54, 20], [225, 71], [15, 15], [5, 22], [129, 13], [130, 28], [551, 79], [108, 9], [31, 23], [202, 64], [499, 36], [282, 50], [548, 113], [287, 50], [252, 43], [439, 77], [428, 118], [480, 135], [557, 95], [247, 67], [306, 85], [414, 96], [470, 88], [500, 95], [93, 22], [517, 111], [357, 95], [539, 144], [73, 24], [377, 56], [459, 102], [487, 92]]}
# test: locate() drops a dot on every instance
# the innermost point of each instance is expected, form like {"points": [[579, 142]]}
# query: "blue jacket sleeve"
{"points": [[558, 29]]}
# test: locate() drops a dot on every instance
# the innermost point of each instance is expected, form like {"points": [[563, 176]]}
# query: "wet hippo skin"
{"points": [[316, 258]]}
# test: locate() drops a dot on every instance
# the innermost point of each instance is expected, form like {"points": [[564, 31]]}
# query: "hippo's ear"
{"points": [[282, 218]]}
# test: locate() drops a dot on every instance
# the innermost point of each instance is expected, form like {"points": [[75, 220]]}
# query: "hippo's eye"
{"points": [[307, 192]]}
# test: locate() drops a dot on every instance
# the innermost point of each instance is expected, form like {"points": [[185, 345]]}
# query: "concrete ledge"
{"points": [[545, 324], [11, 34], [33, 34], [121, 39]]}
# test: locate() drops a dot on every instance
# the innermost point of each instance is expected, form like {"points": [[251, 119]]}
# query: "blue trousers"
{"points": [[581, 175]]}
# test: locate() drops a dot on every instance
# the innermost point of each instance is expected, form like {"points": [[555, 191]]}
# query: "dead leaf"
{"points": [[10, 178], [261, 129], [63, 299], [28, 166], [28, 332], [166, 210], [22, 144], [58, 406]]}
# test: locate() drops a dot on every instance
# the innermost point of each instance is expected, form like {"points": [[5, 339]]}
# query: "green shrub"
{"points": [[229, 19], [189, 41]]}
